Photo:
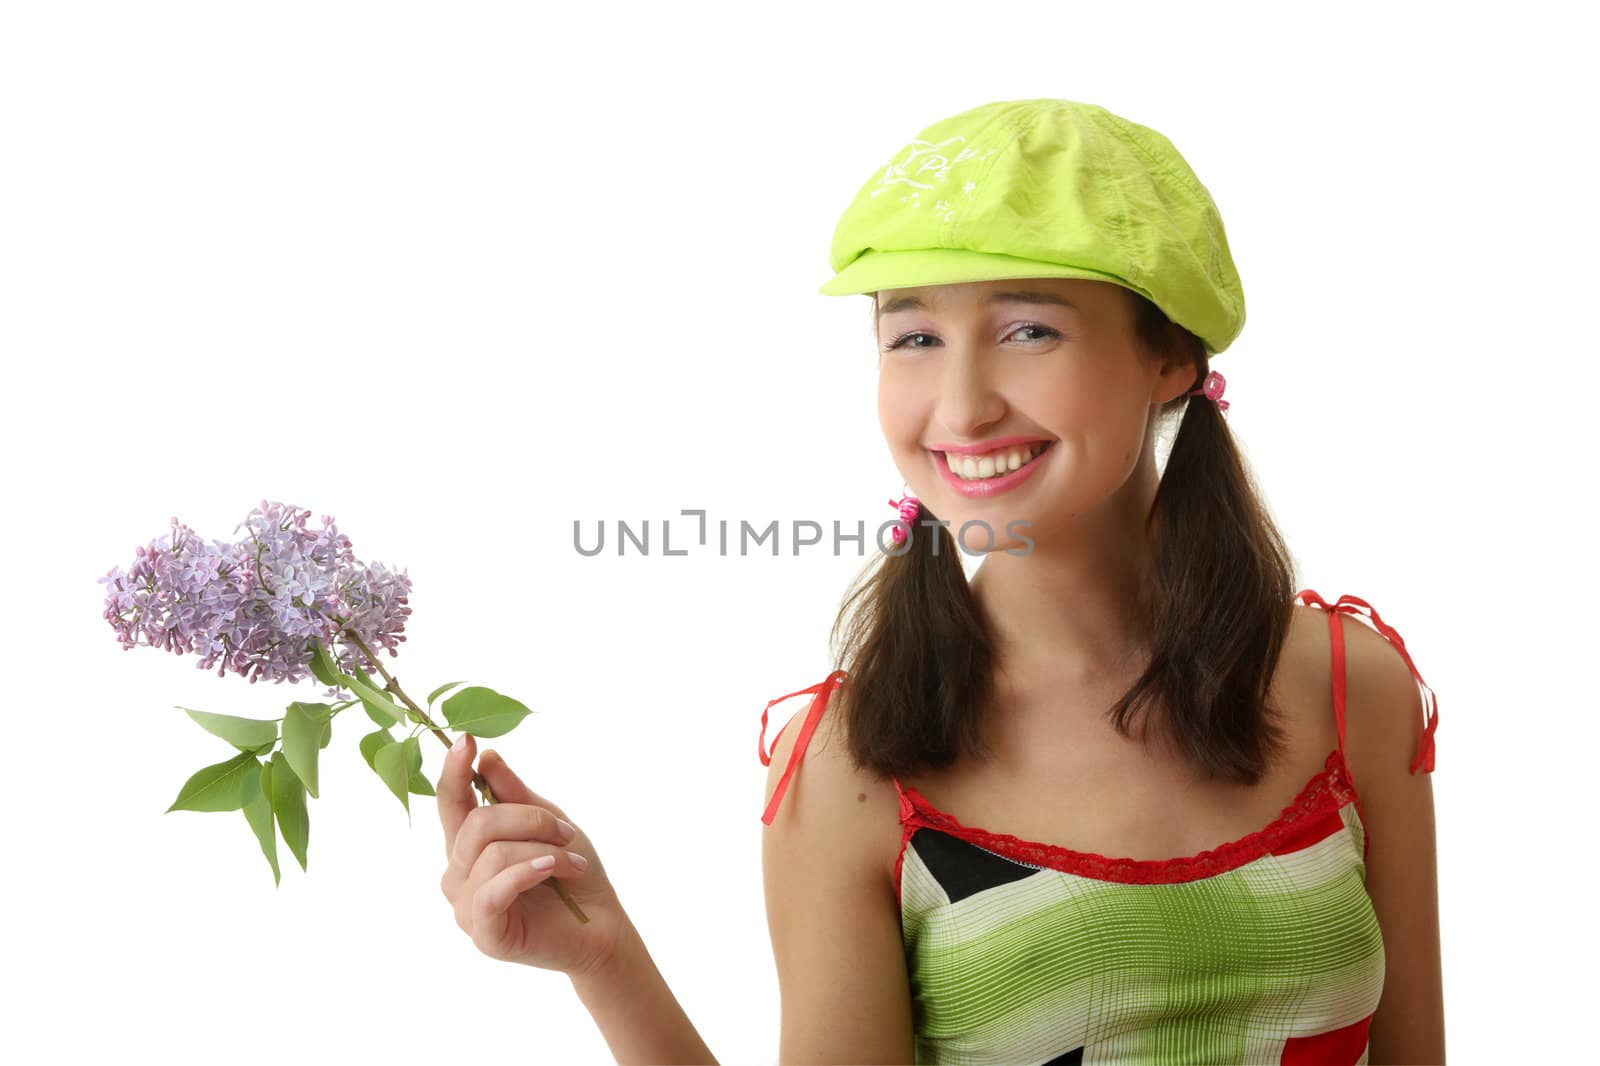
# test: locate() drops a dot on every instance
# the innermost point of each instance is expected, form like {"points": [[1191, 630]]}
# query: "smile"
{"points": [[991, 473]]}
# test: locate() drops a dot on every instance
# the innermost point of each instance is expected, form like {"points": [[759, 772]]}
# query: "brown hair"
{"points": [[1215, 613]]}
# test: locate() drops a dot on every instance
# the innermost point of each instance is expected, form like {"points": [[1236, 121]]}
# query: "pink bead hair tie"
{"points": [[1211, 389], [907, 506]]}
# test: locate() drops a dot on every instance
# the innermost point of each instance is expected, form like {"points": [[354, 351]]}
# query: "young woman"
{"points": [[1004, 846]]}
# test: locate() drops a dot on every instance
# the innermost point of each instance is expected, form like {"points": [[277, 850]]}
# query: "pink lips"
{"points": [[987, 487]]}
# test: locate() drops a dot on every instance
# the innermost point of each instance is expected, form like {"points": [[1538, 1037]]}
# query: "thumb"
{"points": [[454, 796], [508, 787]]}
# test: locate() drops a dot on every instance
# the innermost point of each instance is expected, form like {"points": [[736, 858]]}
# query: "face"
{"points": [[989, 373]]}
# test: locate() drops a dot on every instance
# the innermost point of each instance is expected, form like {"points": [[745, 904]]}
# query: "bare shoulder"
{"points": [[1384, 710], [831, 912], [829, 798], [1383, 731], [1383, 706]]}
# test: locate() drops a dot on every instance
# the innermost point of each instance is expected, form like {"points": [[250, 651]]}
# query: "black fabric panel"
{"points": [[964, 869]]}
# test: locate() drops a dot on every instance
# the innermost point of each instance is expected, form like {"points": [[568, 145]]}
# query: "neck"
{"points": [[1067, 612]]}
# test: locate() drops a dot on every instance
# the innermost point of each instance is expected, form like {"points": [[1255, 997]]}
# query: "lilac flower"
{"points": [[257, 606]]}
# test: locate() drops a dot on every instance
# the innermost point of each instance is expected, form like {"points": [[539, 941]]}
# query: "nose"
{"points": [[968, 400]]}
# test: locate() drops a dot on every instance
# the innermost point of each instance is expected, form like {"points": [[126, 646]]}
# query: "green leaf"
{"points": [[416, 783], [380, 708], [442, 688], [382, 717], [386, 712], [289, 804], [258, 812], [390, 762], [218, 787], [379, 739], [483, 712], [246, 734], [305, 729], [372, 742], [324, 669]]}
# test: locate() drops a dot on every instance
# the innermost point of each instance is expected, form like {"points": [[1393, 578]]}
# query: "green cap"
{"points": [[1044, 188]]}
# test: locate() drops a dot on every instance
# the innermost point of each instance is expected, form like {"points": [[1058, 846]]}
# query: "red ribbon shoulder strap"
{"points": [[819, 703], [1359, 608]]}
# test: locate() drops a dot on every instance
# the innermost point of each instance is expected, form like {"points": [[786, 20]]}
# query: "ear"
{"points": [[1181, 368]]}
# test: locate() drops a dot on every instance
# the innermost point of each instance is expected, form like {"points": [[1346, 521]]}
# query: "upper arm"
{"points": [[1384, 727], [831, 911]]}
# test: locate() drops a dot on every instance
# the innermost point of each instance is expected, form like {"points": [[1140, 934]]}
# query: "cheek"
{"points": [[1101, 430], [900, 412], [1081, 403]]}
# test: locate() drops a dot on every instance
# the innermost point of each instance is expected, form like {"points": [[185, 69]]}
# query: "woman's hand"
{"points": [[498, 898]]}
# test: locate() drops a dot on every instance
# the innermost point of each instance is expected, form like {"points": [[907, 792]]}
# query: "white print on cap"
{"points": [[920, 159]]}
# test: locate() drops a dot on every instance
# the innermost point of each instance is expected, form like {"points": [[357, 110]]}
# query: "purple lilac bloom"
{"points": [[256, 606]]}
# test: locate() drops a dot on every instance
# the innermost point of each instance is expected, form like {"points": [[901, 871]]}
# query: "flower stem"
{"points": [[392, 685]]}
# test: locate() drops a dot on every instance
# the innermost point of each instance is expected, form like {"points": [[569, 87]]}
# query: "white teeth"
{"points": [[995, 464]]}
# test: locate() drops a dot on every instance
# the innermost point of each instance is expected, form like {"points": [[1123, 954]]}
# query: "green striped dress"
{"points": [[1264, 949]]}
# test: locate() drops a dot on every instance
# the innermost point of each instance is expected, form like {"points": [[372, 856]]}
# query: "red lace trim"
{"points": [[1328, 790]]}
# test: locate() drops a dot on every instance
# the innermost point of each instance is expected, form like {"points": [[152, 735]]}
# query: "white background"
{"points": [[459, 274]]}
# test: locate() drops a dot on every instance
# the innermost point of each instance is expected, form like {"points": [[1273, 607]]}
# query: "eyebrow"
{"points": [[1016, 296]]}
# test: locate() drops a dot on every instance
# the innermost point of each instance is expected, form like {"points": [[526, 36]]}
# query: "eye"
{"points": [[902, 339], [1046, 330], [1034, 326]]}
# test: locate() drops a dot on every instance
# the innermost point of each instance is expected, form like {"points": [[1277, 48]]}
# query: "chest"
{"points": [[1061, 774], [1273, 961]]}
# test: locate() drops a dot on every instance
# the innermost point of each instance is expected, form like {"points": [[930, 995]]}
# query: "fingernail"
{"points": [[577, 860], [543, 862], [460, 744], [568, 834]]}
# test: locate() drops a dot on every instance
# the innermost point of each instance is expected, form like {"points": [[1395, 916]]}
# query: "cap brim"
{"points": [[874, 270]]}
